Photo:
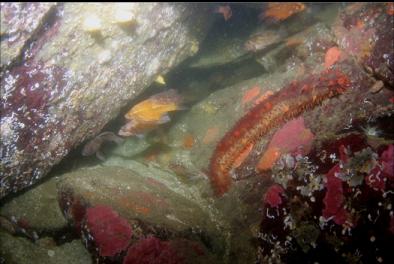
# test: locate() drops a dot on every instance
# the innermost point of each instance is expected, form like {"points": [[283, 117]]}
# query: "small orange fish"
{"points": [[225, 11], [281, 11], [150, 113]]}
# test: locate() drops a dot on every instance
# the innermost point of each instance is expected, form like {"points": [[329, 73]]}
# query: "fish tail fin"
{"points": [[182, 107], [118, 140], [164, 119], [171, 96]]}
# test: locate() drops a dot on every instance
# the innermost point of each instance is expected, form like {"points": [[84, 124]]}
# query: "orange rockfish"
{"points": [[281, 11], [151, 112], [225, 10]]}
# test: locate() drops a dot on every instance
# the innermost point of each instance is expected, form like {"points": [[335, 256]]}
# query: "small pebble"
{"points": [[51, 253]]}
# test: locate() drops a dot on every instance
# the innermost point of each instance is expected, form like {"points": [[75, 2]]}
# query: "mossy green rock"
{"points": [[38, 208], [18, 250]]}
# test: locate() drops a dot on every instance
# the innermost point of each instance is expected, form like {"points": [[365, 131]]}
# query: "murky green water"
{"points": [[197, 133]]}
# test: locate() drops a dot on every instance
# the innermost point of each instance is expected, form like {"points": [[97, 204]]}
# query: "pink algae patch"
{"points": [[250, 94], [272, 196], [289, 138], [387, 159], [334, 199], [111, 232], [152, 250], [332, 56]]}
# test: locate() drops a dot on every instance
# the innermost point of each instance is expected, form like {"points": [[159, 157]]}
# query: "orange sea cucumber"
{"points": [[284, 105]]}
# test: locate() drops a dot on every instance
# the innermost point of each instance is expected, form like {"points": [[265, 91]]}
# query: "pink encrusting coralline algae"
{"points": [[334, 198], [272, 196]]}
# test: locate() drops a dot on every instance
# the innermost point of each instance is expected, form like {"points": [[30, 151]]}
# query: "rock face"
{"points": [[36, 210], [67, 69], [116, 207], [22, 251]]}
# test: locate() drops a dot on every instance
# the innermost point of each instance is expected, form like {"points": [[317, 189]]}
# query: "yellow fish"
{"points": [[160, 80], [151, 112]]}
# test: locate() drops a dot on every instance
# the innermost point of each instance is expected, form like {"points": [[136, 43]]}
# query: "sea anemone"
{"points": [[371, 131]]}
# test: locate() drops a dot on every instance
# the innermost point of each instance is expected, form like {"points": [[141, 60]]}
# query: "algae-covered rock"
{"points": [[366, 31], [225, 51], [131, 147], [36, 209], [226, 42], [18, 24], [77, 69], [17, 250], [145, 202]]}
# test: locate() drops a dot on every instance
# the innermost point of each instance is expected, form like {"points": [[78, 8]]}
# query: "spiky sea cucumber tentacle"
{"points": [[286, 104]]}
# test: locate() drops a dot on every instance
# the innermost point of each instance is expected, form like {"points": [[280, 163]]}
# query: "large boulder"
{"points": [[118, 208], [67, 69], [36, 211], [23, 251]]}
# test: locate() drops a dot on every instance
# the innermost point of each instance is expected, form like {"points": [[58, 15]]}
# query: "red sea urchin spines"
{"points": [[110, 232], [152, 250], [220, 181], [290, 102]]}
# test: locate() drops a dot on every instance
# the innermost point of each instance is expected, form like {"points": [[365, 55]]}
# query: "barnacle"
{"points": [[194, 47], [92, 24], [104, 56], [160, 80], [125, 16]]}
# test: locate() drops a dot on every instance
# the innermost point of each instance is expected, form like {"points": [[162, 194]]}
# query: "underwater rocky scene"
{"points": [[197, 133]]}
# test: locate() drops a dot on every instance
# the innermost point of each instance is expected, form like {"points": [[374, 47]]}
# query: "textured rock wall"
{"points": [[67, 69]]}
